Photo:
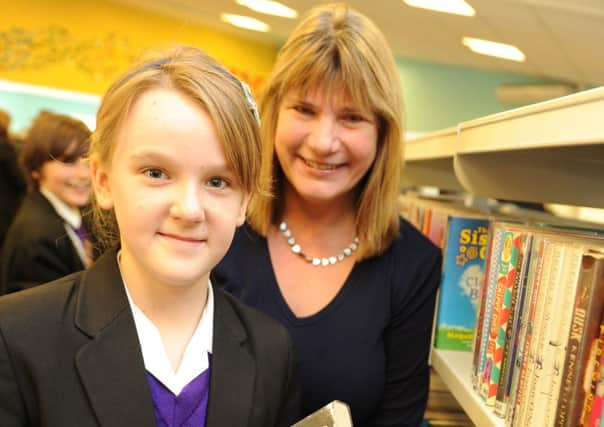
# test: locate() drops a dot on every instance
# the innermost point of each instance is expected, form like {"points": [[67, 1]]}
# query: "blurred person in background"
{"points": [[47, 239], [12, 181]]}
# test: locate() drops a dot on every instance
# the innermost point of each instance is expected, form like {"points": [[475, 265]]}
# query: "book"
{"points": [[464, 258], [334, 414], [584, 330], [487, 297], [513, 328], [555, 352], [509, 262]]}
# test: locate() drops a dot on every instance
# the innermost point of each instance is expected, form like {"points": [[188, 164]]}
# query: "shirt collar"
{"points": [[195, 358], [71, 215]]}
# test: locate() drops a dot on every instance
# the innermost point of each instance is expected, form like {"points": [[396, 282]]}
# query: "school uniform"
{"points": [[41, 244], [70, 356]]}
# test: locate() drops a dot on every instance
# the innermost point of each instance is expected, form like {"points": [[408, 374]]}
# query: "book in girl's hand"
{"points": [[334, 414]]}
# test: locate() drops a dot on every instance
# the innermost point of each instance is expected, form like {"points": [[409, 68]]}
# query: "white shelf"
{"points": [[454, 368], [551, 152], [429, 160]]}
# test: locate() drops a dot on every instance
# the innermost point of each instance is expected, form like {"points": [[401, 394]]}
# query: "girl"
{"points": [[142, 338], [47, 240], [329, 256]]}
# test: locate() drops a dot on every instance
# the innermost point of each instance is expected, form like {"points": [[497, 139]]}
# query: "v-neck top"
{"points": [[369, 345]]}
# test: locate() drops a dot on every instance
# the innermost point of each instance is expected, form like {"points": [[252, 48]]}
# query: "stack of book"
{"points": [[540, 327], [534, 306]]}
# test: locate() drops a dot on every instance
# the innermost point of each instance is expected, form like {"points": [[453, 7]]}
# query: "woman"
{"points": [[328, 255]]}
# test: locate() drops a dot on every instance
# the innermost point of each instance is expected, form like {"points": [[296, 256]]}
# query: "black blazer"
{"points": [[12, 186], [37, 248], [69, 356]]}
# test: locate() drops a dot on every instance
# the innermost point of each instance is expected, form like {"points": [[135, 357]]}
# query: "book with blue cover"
{"points": [[464, 259]]}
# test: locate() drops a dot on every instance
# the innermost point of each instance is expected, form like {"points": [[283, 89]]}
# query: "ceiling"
{"points": [[562, 39]]}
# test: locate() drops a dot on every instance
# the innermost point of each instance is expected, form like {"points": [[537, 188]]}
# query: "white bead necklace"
{"points": [[317, 261]]}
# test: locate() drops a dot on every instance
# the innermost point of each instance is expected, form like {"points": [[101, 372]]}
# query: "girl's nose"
{"points": [[187, 204]]}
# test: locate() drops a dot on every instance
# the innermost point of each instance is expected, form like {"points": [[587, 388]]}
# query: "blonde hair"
{"points": [[335, 47], [202, 80]]}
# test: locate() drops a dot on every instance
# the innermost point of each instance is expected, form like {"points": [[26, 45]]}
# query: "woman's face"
{"points": [[325, 144]]}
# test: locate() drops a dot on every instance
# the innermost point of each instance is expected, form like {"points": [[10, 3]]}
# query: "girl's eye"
{"points": [[217, 182], [154, 173]]}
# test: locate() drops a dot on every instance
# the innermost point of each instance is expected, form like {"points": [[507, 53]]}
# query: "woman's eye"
{"points": [[154, 173], [354, 118], [303, 109], [217, 182]]}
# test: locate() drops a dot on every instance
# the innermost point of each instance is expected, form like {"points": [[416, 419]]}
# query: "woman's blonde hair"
{"points": [[335, 47], [202, 80]]}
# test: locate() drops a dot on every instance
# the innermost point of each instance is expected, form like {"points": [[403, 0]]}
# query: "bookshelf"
{"points": [[550, 152], [454, 369]]}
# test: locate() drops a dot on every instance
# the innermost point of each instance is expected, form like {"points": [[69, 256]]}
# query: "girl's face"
{"points": [[325, 144], [70, 182], [175, 199]]}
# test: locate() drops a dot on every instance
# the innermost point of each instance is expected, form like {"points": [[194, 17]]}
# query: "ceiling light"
{"points": [[245, 22], [500, 50], [456, 7], [270, 8]]}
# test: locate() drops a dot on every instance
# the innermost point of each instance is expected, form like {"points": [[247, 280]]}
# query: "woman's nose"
{"points": [[324, 135]]}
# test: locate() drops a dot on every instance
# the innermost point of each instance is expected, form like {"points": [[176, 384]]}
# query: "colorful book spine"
{"points": [[592, 373], [463, 273], [585, 323], [508, 267], [523, 322], [513, 326], [486, 306]]}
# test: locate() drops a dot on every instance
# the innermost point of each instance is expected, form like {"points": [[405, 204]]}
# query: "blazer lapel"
{"points": [[233, 370], [111, 365]]}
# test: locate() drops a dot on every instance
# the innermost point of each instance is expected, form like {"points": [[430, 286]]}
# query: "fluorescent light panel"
{"points": [[269, 7], [456, 7], [245, 22], [499, 50]]}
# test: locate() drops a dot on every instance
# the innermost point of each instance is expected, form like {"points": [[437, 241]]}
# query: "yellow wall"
{"points": [[83, 45]]}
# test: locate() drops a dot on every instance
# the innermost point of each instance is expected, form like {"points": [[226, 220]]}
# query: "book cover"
{"points": [[334, 414], [463, 274]]}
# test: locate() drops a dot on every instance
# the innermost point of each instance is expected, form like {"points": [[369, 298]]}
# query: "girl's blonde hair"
{"points": [[202, 80], [337, 48]]}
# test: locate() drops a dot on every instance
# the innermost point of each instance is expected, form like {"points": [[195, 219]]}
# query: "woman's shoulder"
{"points": [[413, 243]]}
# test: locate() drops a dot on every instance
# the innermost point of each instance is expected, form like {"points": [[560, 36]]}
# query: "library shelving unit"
{"points": [[550, 152]]}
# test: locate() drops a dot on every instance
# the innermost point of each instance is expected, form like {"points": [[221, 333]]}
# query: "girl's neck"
{"points": [[166, 305]]}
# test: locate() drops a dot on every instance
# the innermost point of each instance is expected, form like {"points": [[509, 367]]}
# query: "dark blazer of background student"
{"points": [[12, 186], [77, 362], [37, 248]]}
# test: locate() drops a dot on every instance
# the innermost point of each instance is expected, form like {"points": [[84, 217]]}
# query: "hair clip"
{"points": [[250, 100]]}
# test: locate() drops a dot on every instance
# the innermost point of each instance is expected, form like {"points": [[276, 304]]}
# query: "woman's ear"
{"points": [[243, 209], [100, 184]]}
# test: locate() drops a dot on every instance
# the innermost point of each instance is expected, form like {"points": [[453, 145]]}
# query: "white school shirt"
{"points": [[195, 358], [72, 218]]}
